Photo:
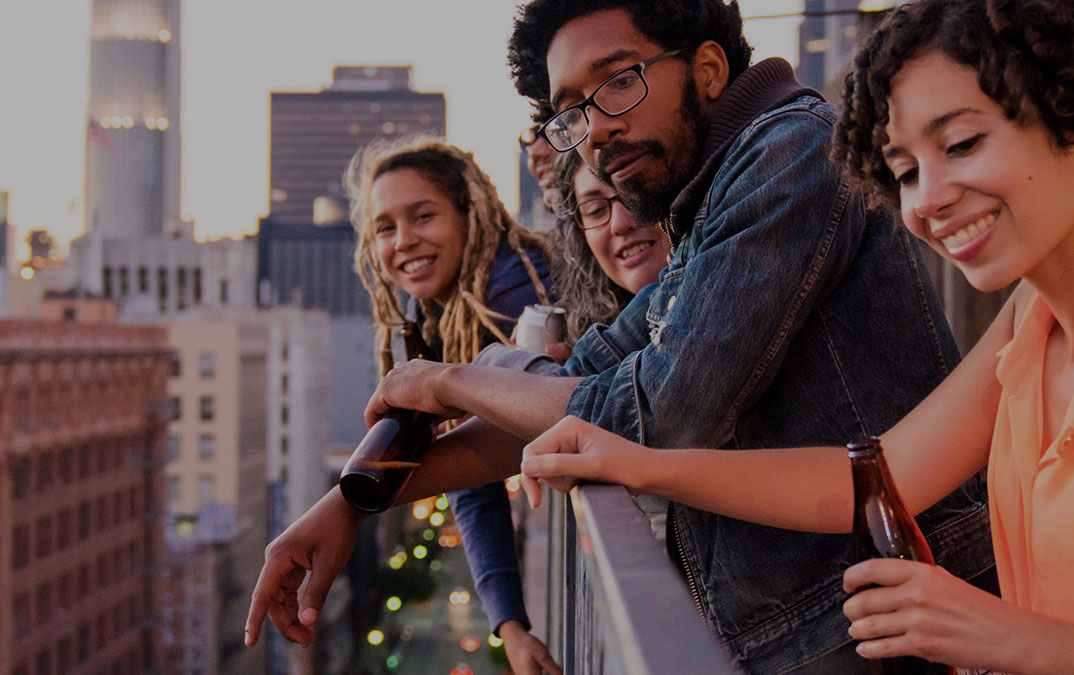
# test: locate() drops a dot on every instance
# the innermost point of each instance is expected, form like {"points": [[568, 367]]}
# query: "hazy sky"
{"points": [[237, 51]]}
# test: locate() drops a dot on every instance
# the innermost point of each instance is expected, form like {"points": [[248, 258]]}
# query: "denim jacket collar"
{"points": [[765, 86]]}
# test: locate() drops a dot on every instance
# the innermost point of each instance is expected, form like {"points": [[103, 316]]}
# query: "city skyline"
{"points": [[234, 55]]}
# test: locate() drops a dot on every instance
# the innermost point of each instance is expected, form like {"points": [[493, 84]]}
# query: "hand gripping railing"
{"points": [[616, 602]]}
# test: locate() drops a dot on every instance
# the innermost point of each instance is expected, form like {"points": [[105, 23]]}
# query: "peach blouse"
{"points": [[1031, 479]]}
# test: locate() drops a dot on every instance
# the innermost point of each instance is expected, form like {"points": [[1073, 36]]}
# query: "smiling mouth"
{"points": [[412, 266], [959, 240], [633, 250]]}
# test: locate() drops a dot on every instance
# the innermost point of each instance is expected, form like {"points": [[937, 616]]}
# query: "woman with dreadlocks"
{"points": [[960, 113], [430, 223]]}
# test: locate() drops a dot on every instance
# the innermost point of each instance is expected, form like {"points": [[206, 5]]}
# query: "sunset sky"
{"points": [[237, 51]]}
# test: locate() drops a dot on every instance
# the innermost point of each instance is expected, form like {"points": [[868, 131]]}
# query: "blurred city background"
{"points": [[185, 348]]}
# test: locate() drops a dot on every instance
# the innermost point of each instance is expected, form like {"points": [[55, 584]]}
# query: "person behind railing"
{"points": [[430, 223], [962, 113], [781, 279]]}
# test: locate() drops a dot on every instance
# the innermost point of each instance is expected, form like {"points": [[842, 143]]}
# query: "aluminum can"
{"points": [[541, 326]]}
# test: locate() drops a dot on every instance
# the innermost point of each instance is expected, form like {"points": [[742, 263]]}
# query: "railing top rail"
{"points": [[652, 612]]}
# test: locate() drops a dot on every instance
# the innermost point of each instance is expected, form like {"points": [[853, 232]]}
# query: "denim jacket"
{"points": [[790, 315]]}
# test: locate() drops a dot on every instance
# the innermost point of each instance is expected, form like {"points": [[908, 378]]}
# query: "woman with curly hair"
{"points": [[605, 255], [430, 223], [960, 113]]}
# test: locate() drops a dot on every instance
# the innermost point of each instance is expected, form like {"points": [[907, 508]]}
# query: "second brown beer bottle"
{"points": [[885, 528], [384, 461]]}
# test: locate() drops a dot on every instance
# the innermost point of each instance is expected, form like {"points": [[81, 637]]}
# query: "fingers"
{"points": [[547, 663], [264, 593], [532, 488], [562, 466], [315, 594], [881, 572]]}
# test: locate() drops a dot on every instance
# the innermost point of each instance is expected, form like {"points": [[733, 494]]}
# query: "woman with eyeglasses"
{"points": [[605, 255]]}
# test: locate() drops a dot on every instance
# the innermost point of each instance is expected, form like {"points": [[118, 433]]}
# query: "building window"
{"points": [[284, 445], [44, 472], [173, 445], [20, 547], [20, 609], [223, 292], [173, 489], [180, 288], [197, 285], [285, 414], [21, 478], [102, 514], [63, 524], [83, 642], [143, 280], [206, 446], [207, 364], [162, 283], [63, 656], [106, 278], [207, 408], [174, 410], [44, 603], [66, 591], [43, 661], [85, 464], [43, 537], [175, 364], [67, 469], [206, 490], [124, 282], [84, 518]]}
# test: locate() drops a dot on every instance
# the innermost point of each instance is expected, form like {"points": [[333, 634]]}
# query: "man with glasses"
{"points": [[790, 314]]}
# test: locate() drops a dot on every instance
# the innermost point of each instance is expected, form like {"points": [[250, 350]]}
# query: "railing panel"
{"points": [[623, 607]]}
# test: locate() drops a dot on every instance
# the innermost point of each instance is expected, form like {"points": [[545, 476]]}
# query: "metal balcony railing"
{"points": [[616, 604]]}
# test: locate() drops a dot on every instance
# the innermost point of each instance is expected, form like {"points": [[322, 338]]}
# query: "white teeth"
{"points": [[637, 248], [958, 239], [415, 265]]}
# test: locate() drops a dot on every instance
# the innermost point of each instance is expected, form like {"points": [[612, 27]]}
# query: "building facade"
{"points": [[81, 497], [160, 277], [216, 483], [132, 140], [315, 134]]}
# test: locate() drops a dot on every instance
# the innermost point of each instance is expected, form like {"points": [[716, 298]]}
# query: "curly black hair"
{"points": [[672, 24], [1022, 50]]}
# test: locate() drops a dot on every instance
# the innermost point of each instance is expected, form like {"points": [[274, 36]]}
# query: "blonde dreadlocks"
{"points": [[460, 321]]}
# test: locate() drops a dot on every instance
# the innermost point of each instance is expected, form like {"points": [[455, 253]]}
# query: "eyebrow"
{"points": [[933, 127], [596, 66]]}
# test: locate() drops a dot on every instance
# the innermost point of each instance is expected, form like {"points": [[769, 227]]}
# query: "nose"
{"points": [[603, 128], [621, 222], [934, 192], [406, 236]]}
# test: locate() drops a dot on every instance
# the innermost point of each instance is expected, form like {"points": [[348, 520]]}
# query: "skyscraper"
{"points": [[132, 139], [314, 134]]}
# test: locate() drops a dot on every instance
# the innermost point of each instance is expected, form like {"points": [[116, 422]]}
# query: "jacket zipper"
{"points": [[681, 561], [666, 225]]}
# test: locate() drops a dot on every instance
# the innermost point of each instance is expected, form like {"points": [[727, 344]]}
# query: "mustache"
{"points": [[616, 149]]}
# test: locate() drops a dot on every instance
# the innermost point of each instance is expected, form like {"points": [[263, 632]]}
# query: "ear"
{"points": [[711, 71]]}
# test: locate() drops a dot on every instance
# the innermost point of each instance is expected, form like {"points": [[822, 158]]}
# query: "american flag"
{"points": [[96, 135]]}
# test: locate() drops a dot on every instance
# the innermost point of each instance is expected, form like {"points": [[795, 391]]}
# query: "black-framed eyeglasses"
{"points": [[619, 94], [595, 212]]}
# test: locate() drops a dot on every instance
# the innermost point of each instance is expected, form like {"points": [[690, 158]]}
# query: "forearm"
{"points": [[806, 489], [475, 453], [520, 403], [1040, 645]]}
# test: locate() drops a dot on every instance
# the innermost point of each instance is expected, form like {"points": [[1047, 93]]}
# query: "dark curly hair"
{"points": [[672, 24], [1022, 50]]}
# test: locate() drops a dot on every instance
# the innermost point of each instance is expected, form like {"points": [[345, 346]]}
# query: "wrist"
{"points": [[638, 473], [443, 385], [510, 628]]}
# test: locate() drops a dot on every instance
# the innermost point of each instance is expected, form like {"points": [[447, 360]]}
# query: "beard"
{"points": [[648, 199]]}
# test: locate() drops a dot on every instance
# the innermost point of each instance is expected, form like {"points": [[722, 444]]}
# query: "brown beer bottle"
{"points": [[383, 462], [884, 528]]}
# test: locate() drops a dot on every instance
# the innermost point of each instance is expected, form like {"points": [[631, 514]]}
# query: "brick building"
{"points": [[81, 496]]}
